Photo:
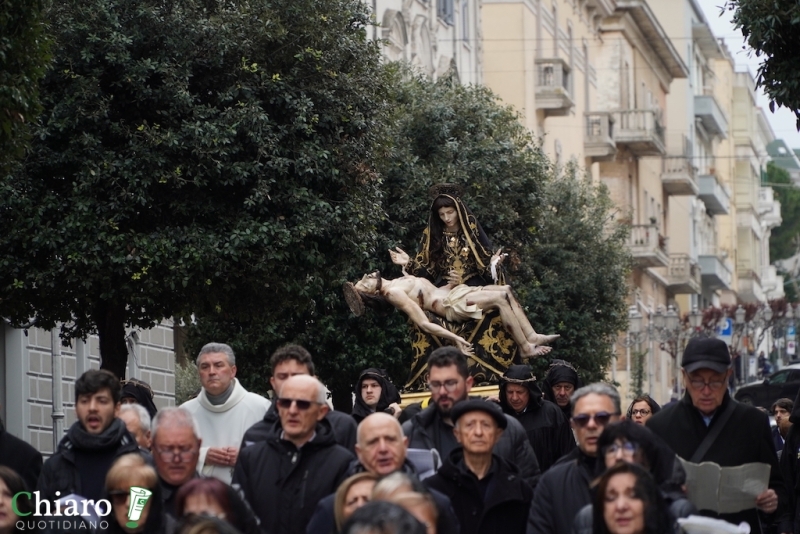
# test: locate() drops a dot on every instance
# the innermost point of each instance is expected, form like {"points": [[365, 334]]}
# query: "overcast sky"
{"points": [[783, 120]]}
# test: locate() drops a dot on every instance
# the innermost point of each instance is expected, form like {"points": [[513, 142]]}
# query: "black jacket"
{"points": [[513, 446], [60, 473], [745, 438], [21, 457], [503, 510], [548, 430], [789, 460], [324, 519], [283, 484], [562, 491], [344, 428], [389, 394]]}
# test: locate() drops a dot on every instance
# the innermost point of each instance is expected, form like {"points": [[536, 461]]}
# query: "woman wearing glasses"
{"points": [[132, 471], [642, 408], [627, 442]]}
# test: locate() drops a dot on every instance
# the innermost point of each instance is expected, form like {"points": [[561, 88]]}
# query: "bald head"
{"points": [[381, 446], [305, 383]]}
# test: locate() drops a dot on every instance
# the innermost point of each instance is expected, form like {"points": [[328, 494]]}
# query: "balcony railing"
{"points": [[598, 142], [553, 86], [683, 274], [716, 270], [678, 176], [714, 194], [648, 247], [640, 130]]}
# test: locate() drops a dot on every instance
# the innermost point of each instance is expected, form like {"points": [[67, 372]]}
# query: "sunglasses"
{"points": [[302, 405], [119, 497], [627, 447], [600, 418]]}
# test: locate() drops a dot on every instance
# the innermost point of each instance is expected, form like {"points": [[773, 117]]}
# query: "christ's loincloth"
{"points": [[456, 306]]}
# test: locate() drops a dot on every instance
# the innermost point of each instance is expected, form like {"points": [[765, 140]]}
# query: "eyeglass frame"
{"points": [[641, 412], [302, 404], [182, 455], [585, 417], [436, 386], [713, 385], [626, 446]]}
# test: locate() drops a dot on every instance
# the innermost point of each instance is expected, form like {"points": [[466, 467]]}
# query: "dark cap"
{"points": [[706, 353], [478, 405]]}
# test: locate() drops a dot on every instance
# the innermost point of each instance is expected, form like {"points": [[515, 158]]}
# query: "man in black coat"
{"points": [[21, 457], [374, 392], [744, 437], [564, 489], [432, 428], [790, 464], [285, 477], [381, 449], [488, 494], [176, 453], [288, 361], [92, 443], [547, 428], [560, 382]]}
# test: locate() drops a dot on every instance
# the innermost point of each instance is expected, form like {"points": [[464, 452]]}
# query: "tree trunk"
{"points": [[110, 320]]}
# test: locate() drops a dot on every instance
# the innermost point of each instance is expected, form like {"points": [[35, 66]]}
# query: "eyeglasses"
{"points": [[449, 385], [302, 405], [640, 412], [627, 447], [119, 496], [169, 455], [600, 418], [699, 384]]}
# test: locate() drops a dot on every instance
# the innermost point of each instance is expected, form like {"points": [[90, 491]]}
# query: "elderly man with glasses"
{"points": [[432, 428], [707, 425], [564, 489], [176, 446], [285, 476]]}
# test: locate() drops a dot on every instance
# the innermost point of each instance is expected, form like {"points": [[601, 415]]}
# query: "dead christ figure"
{"points": [[413, 296]]}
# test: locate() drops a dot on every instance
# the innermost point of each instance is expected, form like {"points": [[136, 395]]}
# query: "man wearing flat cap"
{"points": [[488, 494], [707, 425]]}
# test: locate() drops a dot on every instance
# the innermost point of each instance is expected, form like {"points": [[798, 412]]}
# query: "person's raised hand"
{"points": [[399, 256]]}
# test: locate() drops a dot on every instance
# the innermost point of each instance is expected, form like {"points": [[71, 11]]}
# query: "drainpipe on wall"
{"points": [[58, 405]]}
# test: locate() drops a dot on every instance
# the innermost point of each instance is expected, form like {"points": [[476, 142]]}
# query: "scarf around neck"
{"points": [[111, 437]]}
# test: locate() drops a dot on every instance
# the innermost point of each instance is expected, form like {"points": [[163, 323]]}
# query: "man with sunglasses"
{"points": [[432, 428], [724, 431], [564, 489], [285, 477], [288, 361]]}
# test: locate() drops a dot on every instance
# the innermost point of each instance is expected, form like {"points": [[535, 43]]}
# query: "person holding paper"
{"points": [[707, 425]]}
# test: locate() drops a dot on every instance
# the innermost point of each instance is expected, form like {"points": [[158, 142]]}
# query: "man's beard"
{"points": [[445, 412]]}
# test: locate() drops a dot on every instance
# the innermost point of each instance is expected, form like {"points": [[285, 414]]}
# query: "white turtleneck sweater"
{"points": [[224, 425]]}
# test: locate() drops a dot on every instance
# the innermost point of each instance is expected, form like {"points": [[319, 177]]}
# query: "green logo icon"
{"points": [[139, 497]]}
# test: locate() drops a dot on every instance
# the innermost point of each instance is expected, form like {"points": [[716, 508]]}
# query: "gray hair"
{"points": [[211, 348], [141, 413], [174, 417], [598, 388], [321, 396]]}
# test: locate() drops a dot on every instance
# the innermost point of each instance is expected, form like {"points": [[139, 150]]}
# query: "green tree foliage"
{"points": [[771, 28], [566, 259], [782, 242], [201, 156], [24, 52]]}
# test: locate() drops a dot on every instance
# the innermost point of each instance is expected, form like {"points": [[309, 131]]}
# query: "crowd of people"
{"points": [[558, 458], [232, 461]]}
